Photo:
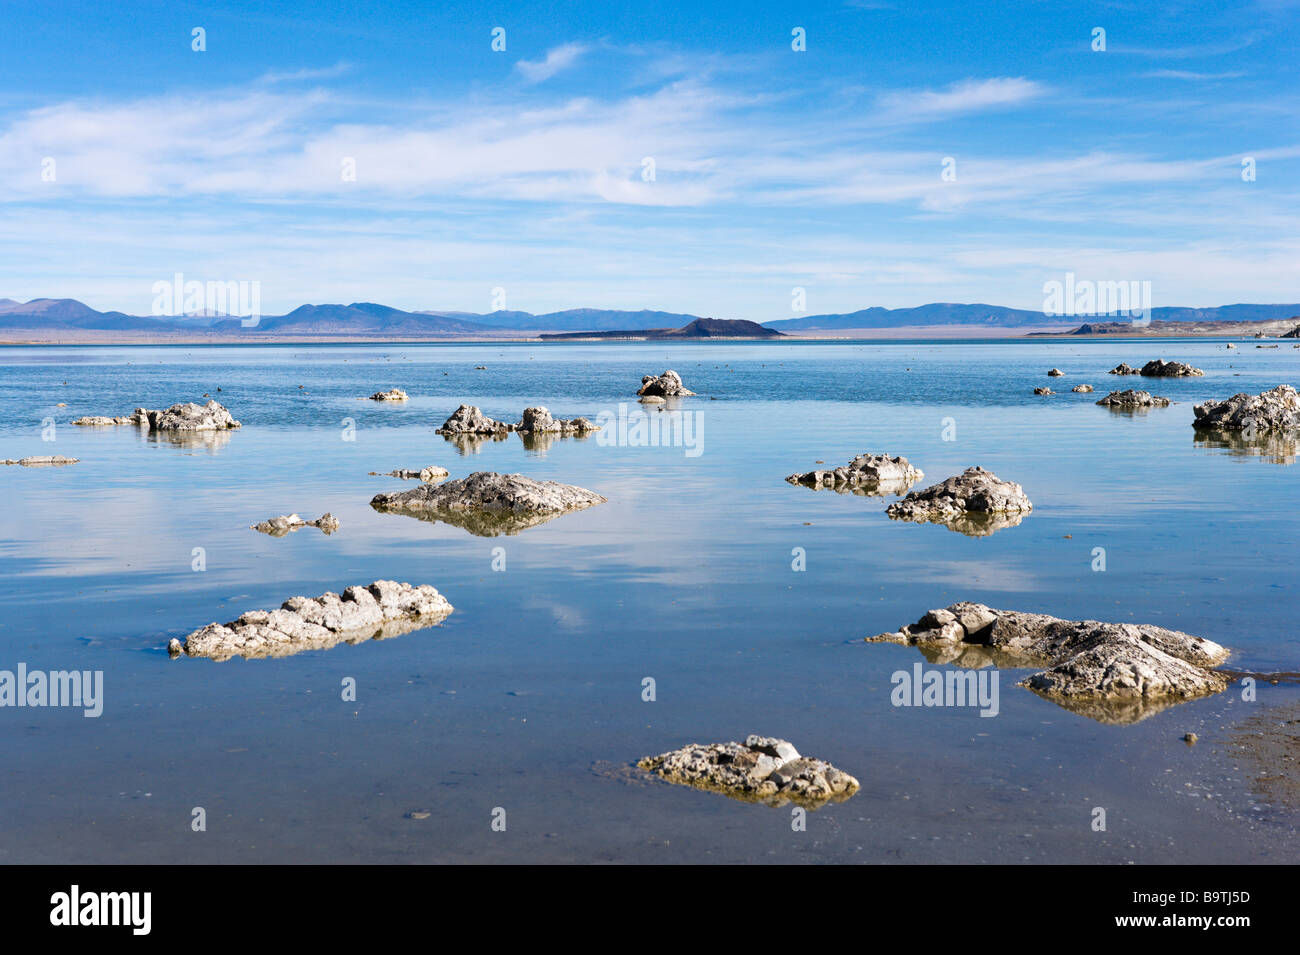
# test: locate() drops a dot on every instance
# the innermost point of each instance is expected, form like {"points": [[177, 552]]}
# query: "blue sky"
{"points": [[773, 169]]}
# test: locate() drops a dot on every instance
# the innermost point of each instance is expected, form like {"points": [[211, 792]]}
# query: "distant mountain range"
{"points": [[64, 318], [996, 316], [359, 318]]}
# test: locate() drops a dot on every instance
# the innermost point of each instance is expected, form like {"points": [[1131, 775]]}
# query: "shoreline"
{"points": [[1272, 330]]}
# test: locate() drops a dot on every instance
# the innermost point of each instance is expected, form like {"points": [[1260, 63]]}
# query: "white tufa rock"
{"points": [[761, 769], [384, 609]]}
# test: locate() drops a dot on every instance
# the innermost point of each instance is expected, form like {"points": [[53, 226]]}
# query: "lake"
{"points": [[742, 597]]}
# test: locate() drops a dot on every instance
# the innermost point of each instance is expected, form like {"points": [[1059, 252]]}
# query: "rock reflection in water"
{"points": [[1277, 447]]}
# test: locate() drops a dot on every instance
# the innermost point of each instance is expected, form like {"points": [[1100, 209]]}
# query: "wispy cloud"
{"points": [[306, 75], [547, 192], [967, 96], [1190, 75], [557, 59], [1221, 48]]}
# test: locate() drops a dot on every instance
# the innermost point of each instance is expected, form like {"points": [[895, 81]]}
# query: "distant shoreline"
{"points": [[1235, 330], [941, 334]]}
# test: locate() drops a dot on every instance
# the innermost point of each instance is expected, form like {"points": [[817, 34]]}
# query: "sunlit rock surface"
{"points": [[384, 609], [761, 769], [976, 503], [489, 504], [874, 474], [1113, 672]]}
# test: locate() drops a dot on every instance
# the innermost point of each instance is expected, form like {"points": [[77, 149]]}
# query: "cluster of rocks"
{"points": [[432, 473], [1087, 662], [667, 385], [279, 526], [867, 473], [1082, 388], [384, 609], [182, 417], [489, 504], [761, 769], [1159, 368], [1275, 410], [976, 503], [41, 461], [1133, 399], [470, 420], [393, 394], [538, 420]]}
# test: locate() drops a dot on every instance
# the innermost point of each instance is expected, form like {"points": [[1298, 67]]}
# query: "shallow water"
{"points": [[529, 696]]}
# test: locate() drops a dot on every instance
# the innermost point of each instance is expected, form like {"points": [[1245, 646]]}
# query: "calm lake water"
{"points": [[529, 696]]}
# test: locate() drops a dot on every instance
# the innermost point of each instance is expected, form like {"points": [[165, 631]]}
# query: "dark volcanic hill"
{"points": [[698, 329], [575, 319]]}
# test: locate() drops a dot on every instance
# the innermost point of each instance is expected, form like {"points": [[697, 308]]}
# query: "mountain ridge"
{"points": [[371, 318]]}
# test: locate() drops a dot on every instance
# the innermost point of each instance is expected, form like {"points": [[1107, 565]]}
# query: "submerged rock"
{"points": [[41, 461], [383, 609], [1159, 368], [393, 394], [875, 474], [1133, 399], [432, 473], [1089, 664], [1124, 368], [976, 503], [183, 417], [538, 420], [667, 385], [279, 526], [468, 419], [761, 769], [1082, 388], [1276, 410], [489, 504]]}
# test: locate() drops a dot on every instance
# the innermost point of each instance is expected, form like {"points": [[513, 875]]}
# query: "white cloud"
{"points": [[557, 59], [544, 194], [304, 75], [963, 97], [1190, 75], [1198, 51]]}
